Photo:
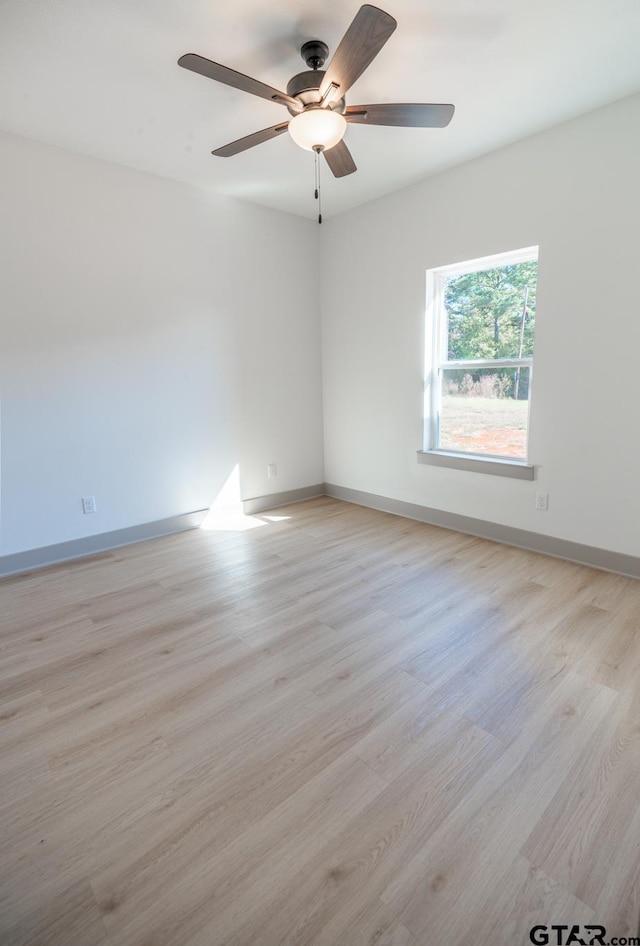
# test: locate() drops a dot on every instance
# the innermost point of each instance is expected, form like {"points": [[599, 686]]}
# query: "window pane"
{"points": [[485, 411], [491, 313]]}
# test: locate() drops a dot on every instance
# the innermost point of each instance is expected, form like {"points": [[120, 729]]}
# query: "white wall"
{"points": [[151, 337], [575, 191]]}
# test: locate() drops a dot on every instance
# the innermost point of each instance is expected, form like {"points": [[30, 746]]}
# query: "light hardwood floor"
{"points": [[341, 728]]}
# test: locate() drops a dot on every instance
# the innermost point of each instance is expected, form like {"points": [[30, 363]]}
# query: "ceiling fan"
{"points": [[316, 98]]}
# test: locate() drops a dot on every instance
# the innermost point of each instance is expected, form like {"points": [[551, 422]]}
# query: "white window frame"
{"points": [[436, 359]]}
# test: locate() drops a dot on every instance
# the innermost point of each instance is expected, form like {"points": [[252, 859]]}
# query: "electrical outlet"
{"points": [[271, 470], [89, 504], [542, 501]]}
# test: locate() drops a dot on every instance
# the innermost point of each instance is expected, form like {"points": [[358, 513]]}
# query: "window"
{"points": [[481, 326]]}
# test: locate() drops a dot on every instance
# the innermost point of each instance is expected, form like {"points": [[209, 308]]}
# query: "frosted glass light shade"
{"points": [[317, 128]]}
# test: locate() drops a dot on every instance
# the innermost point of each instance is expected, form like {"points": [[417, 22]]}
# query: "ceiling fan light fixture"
{"points": [[317, 128]]}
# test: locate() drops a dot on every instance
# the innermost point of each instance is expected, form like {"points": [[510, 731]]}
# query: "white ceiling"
{"points": [[100, 77]]}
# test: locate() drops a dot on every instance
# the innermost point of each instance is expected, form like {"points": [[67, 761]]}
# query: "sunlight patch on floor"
{"points": [[230, 520], [225, 513]]}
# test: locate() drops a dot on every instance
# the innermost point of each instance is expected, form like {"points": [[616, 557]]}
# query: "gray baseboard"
{"points": [[273, 500], [90, 545], [609, 561], [618, 562], [32, 559]]}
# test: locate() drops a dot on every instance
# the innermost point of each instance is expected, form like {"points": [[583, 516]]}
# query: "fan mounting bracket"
{"points": [[314, 53]]}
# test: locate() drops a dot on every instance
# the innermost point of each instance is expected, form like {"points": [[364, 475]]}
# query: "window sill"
{"points": [[460, 461]]}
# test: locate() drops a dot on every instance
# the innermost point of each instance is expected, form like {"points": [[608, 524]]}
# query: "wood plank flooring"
{"points": [[341, 728]]}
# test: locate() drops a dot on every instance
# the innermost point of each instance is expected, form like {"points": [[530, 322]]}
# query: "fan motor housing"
{"points": [[305, 87], [309, 81]]}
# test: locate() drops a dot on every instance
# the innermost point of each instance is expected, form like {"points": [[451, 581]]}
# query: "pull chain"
{"points": [[315, 169], [318, 194]]}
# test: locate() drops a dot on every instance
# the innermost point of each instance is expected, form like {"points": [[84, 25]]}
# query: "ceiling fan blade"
{"points": [[339, 160], [405, 115], [243, 144], [237, 80], [369, 31]]}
